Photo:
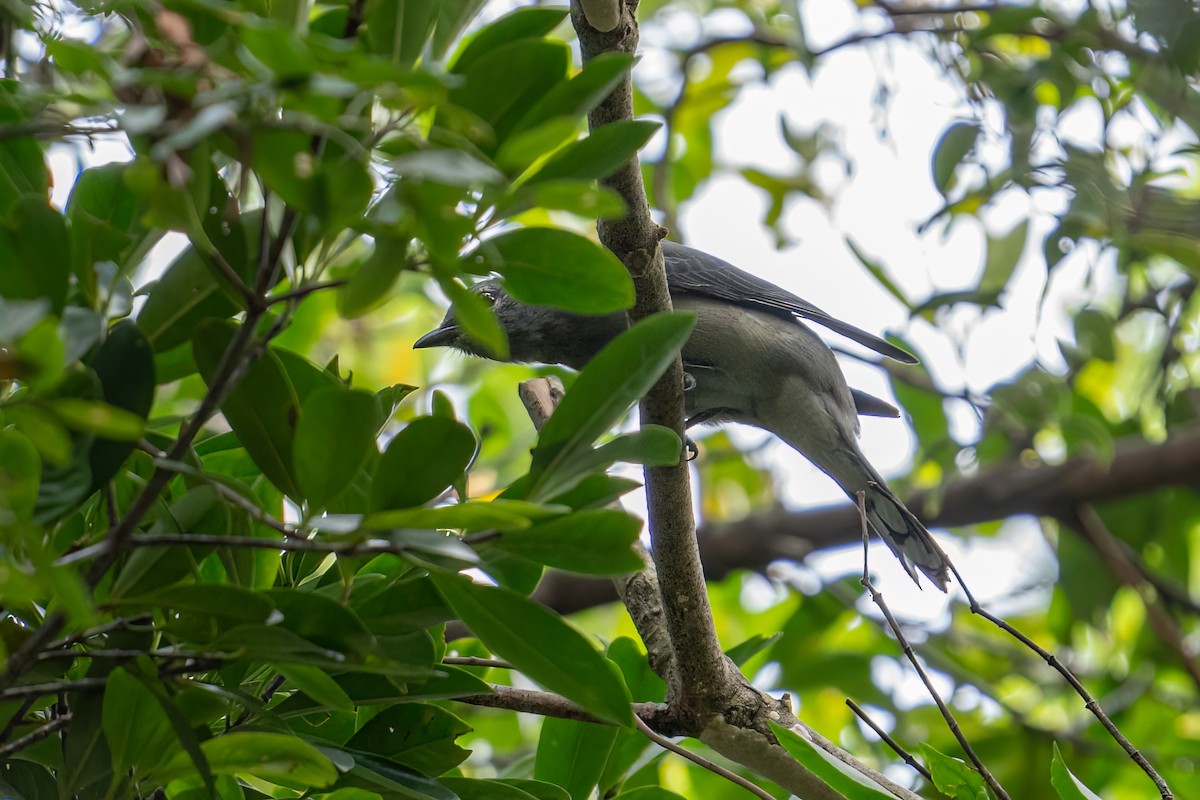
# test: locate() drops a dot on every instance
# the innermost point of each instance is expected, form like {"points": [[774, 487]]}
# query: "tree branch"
{"points": [[702, 679]]}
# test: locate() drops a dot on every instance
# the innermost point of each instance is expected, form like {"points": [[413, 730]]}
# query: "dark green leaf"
{"points": [[184, 296], [417, 735], [420, 462], [741, 653], [552, 267], [317, 685], [540, 644], [125, 366], [35, 251], [482, 789], [371, 283], [95, 417], [336, 431], [138, 731]]}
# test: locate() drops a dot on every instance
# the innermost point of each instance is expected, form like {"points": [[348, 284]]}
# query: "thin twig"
{"points": [[302, 292], [36, 735], [1089, 702], [717, 769], [889, 741], [548, 704], [911, 655], [474, 661], [100, 630], [15, 719]]}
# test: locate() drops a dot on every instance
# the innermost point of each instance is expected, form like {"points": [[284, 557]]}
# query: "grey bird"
{"points": [[751, 360]]}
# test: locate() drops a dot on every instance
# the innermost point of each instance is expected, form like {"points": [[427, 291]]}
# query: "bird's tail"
{"points": [[904, 533]]}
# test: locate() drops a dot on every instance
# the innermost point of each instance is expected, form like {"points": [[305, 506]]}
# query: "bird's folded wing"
{"points": [[695, 272]]}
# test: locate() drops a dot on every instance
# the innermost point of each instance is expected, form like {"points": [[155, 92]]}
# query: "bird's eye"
{"points": [[489, 296]]}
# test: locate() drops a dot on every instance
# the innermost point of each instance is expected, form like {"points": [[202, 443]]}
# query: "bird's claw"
{"points": [[689, 382], [691, 450]]}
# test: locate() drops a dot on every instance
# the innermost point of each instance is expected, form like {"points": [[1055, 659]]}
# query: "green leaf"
{"points": [[955, 143], [473, 515], [598, 155], [101, 419], [476, 318], [852, 784], [502, 84], [417, 735], [553, 267], [451, 167], [573, 754], [651, 445], [648, 793], [398, 29], [22, 165], [954, 777], [1064, 781], [741, 653], [879, 274], [371, 283], [336, 432], [275, 757], [20, 474], [138, 731], [1003, 255], [579, 197], [124, 363], [424, 458], [184, 296], [581, 93], [596, 542], [317, 685], [613, 381], [262, 409], [530, 22], [483, 789], [106, 220], [540, 644], [35, 249]]}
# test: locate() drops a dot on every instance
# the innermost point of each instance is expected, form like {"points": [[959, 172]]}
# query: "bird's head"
{"points": [[535, 333]]}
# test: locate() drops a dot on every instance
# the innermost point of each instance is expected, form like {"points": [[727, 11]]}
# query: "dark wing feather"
{"points": [[693, 272]]}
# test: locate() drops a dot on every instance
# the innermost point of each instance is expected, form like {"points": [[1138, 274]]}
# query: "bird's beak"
{"points": [[440, 337]]}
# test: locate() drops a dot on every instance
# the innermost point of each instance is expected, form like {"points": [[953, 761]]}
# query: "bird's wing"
{"points": [[694, 272]]}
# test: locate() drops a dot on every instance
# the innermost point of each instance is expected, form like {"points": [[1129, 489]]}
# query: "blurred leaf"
{"points": [[879, 274], [1003, 255], [20, 473], [35, 249], [317, 685], [540, 644], [741, 653], [955, 143], [424, 458], [101, 419], [371, 283], [581, 93], [552, 267]]}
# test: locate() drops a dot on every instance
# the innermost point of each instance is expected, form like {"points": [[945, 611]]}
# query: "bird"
{"points": [[750, 359]]}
